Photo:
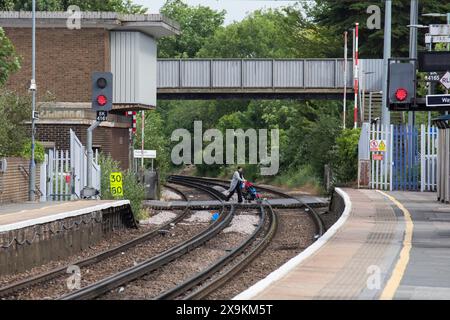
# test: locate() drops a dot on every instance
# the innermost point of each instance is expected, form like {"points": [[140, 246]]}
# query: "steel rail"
{"points": [[228, 274], [98, 288], [317, 219], [49, 275], [208, 273]]}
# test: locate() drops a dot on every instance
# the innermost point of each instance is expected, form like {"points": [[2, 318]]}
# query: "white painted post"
{"points": [[50, 173], [423, 154], [391, 157], [43, 179]]}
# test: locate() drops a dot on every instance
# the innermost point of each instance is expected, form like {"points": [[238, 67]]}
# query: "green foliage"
{"points": [[155, 139], [345, 164], [39, 152], [339, 16], [123, 6], [132, 189], [263, 35], [9, 61], [304, 176], [197, 24], [14, 110]]}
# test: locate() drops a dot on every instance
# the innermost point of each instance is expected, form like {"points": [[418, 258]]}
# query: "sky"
{"points": [[236, 9]]}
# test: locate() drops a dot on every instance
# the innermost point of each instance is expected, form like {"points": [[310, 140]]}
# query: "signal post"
{"points": [[102, 98]]}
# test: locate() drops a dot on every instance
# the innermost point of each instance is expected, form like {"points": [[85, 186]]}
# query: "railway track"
{"points": [[201, 284], [101, 287], [60, 271], [225, 184]]}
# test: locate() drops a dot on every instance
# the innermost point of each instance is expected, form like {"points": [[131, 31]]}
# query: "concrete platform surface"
{"points": [[15, 216], [393, 245]]}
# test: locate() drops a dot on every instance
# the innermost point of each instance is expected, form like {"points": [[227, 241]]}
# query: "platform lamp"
{"points": [[448, 44]]}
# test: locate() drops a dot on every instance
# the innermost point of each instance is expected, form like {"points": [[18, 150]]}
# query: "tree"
{"points": [[197, 24], [339, 16], [155, 139], [9, 61], [14, 111], [123, 6], [281, 33]]}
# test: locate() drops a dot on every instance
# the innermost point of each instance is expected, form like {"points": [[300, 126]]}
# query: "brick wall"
{"points": [[112, 141], [14, 182], [64, 63]]}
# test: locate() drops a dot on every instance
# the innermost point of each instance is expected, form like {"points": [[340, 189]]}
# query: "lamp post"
{"points": [[385, 115], [415, 27], [345, 75], [33, 88], [431, 44]]}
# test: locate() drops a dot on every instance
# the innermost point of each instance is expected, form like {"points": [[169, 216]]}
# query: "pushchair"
{"points": [[249, 192]]}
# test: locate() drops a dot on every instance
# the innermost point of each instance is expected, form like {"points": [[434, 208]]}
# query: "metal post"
{"points": [[355, 111], [89, 191], [430, 84], [143, 140], [131, 149], [448, 49], [414, 20], [385, 115], [32, 169], [345, 74], [90, 153]]}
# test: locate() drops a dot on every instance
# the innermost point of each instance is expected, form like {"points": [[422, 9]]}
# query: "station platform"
{"points": [[22, 215], [312, 201], [386, 245], [32, 234]]}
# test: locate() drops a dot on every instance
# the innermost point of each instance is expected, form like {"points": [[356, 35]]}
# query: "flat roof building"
{"points": [[68, 51]]}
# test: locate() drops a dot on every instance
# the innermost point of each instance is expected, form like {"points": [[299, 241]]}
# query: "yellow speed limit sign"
{"points": [[115, 180]]}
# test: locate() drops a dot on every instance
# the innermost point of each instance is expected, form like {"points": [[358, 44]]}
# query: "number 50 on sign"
{"points": [[115, 181]]}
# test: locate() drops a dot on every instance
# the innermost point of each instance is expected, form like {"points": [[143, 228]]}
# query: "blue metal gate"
{"points": [[406, 158]]}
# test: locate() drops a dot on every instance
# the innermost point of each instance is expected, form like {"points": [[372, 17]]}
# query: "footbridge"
{"points": [[203, 79]]}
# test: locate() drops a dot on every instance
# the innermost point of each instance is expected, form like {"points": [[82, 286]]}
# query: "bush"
{"points": [[39, 152], [132, 189], [14, 134], [299, 177], [345, 162]]}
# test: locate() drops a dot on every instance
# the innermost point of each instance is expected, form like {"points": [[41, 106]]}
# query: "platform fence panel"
{"points": [[429, 158], [67, 171], [381, 170], [410, 162]]}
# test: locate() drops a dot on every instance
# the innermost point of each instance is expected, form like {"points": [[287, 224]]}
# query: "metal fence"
{"points": [[65, 172], [443, 169], [409, 162], [264, 73]]}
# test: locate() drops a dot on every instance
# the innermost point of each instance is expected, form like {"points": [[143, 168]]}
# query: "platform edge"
{"points": [[276, 275], [59, 216]]}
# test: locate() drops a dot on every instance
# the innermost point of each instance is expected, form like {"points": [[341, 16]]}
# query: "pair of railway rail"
{"points": [[199, 285]]}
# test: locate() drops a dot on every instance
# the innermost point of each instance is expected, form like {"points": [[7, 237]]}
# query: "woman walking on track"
{"points": [[236, 185]]}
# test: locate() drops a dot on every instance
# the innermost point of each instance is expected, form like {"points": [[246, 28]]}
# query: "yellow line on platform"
{"points": [[399, 269]]}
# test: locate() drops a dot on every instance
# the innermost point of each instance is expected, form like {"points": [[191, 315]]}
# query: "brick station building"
{"points": [[65, 59]]}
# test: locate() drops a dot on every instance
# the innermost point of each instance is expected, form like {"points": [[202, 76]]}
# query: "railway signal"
{"points": [[402, 86], [102, 91]]}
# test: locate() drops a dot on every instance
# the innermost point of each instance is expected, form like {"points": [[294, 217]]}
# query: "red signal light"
{"points": [[401, 94], [102, 100]]}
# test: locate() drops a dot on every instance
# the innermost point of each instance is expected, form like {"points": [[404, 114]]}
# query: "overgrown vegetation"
{"points": [[39, 152], [345, 165], [14, 111], [132, 189]]}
